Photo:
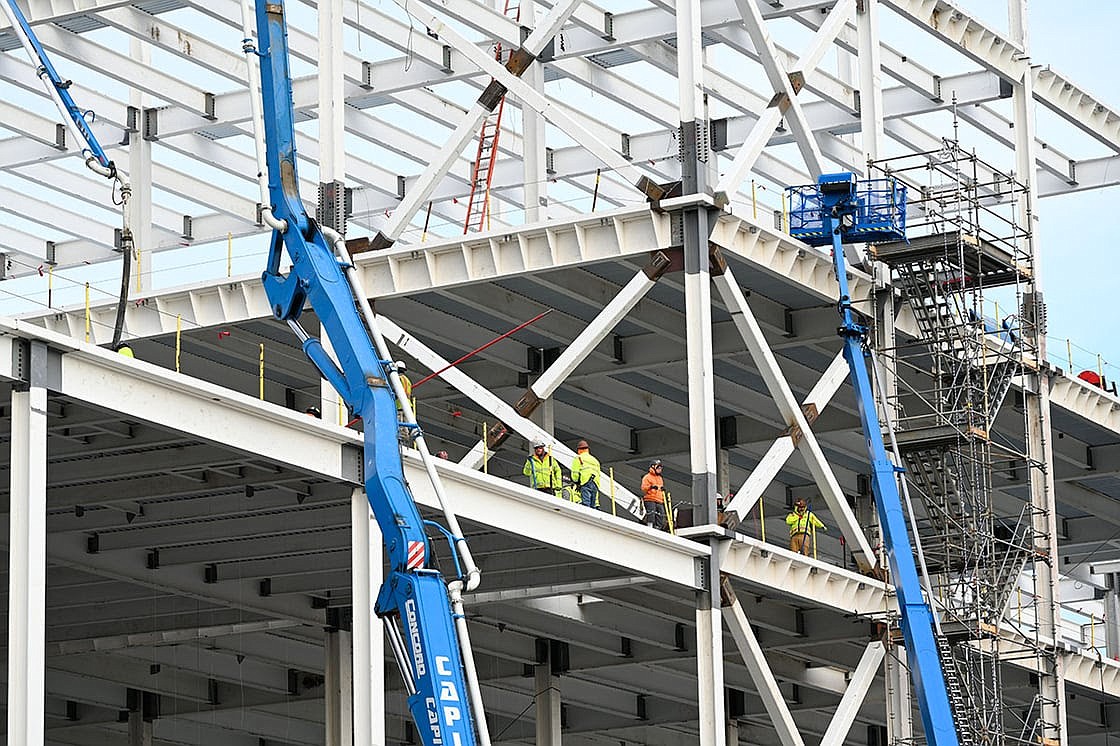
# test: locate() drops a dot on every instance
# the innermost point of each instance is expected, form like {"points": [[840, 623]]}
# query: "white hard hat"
{"points": [[400, 365], [539, 444]]}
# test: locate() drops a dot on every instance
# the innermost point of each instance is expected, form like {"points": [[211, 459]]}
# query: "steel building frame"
{"points": [[194, 554]]}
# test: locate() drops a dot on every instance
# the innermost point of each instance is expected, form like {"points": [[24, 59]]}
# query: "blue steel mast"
{"points": [[423, 615], [834, 211]]}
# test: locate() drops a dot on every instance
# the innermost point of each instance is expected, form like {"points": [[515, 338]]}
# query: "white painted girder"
{"points": [[212, 413], [792, 414], [1000, 54], [779, 78], [768, 566], [782, 448], [765, 683]]}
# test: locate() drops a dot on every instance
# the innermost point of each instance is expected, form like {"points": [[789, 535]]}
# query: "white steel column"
{"points": [[854, 695], [900, 709], [1112, 616], [697, 176], [368, 642], [338, 689], [547, 689], [27, 548], [140, 178], [740, 628], [533, 142], [870, 77], [332, 103], [139, 729], [1037, 400]]}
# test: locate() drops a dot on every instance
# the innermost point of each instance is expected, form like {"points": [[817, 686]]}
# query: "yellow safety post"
{"points": [[785, 214], [1069, 354], [341, 414], [814, 530], [754, 200], [485, 449], [613, 510], [87, 311], [262, 371], [229, 255], [762, 517], [669, 512], [178, 340]]}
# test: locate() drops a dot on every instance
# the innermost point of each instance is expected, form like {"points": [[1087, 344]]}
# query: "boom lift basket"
{"points": [[879, 215]]}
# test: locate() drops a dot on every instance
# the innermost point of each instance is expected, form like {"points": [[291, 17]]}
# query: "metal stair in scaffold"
{"points": [[482, 172], [972, 363]]}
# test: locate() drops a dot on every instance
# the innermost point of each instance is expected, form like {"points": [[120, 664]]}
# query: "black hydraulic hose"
{"points": [[122, 301]]}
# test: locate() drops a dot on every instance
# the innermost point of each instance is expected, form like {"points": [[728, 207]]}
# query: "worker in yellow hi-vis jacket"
{"points": [[585, 473], [802, 522]]}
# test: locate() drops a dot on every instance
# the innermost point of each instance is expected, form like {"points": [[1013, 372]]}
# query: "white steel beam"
{"points": [[468, 127], [779, 452], [764, 565], [478, 393], [1010, 58], [785, 91], [27, 547], [854, 695], [598, 328], [794, 417], [754, 659], [749, 151]]}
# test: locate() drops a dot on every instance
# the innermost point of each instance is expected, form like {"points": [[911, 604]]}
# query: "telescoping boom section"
{"points": [[422, 612], [834, 211]]}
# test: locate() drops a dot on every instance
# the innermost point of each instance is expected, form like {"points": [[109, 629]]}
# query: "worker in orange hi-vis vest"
{"points": [[802, 522], [653, 497]]}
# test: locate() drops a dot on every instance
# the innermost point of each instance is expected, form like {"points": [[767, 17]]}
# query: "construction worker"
{"points": [[313, 412], [443, 455], [585, 473], [653, 496], [802, 522], [406, 384], [543, 470]]}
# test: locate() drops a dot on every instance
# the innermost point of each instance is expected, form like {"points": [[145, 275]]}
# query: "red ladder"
{"points": [[482, 173]]}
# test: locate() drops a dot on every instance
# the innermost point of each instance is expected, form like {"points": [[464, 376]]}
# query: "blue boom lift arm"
{"points": [[838, 210], [78, 122], [423, 615]]}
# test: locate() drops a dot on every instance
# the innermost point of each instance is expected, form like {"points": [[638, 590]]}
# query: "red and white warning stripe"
{"points": [[415, 555]]}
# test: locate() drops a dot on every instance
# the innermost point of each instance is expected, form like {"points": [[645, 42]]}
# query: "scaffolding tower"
{"points": [[966, 275]]}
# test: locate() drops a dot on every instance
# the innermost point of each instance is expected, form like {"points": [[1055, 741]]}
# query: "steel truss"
{"points": [[185, 124]]}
